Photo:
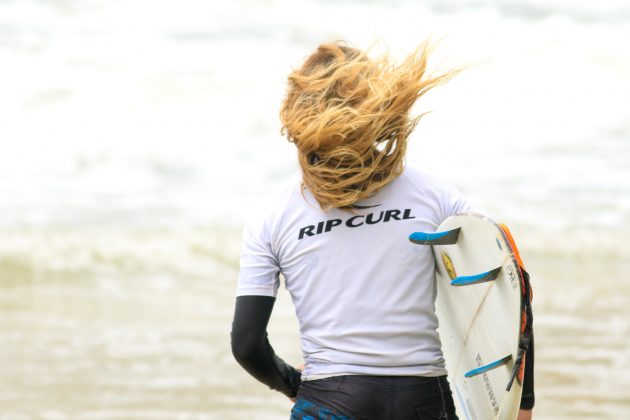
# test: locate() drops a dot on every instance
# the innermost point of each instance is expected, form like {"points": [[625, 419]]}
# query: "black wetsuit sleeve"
{"points": [[528, 399], [251, 348]]}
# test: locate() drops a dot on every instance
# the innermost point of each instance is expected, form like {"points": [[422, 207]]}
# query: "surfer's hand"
{"points": [[300, 368], [524, 415]]}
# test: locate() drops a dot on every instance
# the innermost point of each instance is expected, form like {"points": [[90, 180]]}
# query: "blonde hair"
{"points": [[348, 116]]}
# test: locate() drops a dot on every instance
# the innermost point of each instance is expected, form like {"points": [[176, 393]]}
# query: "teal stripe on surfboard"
{"points": [[486, 368], [477, 278], [448, 237]]}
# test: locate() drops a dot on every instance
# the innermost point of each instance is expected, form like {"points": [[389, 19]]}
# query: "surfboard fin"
{"points": [[437, 238], [483, 369], [477, 278]]}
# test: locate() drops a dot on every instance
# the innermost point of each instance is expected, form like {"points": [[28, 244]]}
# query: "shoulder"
{"points": [[271, 208], [447, 196], [426, 181]]}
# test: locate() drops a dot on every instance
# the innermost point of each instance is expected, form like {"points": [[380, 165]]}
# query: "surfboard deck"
{"points": [[478, 305]]}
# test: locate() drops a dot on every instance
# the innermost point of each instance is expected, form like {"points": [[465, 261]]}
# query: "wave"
{"points": [[34, 254], [584, 11]]}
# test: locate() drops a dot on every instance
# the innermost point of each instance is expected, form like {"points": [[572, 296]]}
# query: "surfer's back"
{"points": [[363, 296]]}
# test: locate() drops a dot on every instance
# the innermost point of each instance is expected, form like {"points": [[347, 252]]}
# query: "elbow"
{"points": [[248, 337], [243, 350]]}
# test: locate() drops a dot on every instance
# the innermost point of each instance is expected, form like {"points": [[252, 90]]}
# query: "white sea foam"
{"points": [[138, 111]]}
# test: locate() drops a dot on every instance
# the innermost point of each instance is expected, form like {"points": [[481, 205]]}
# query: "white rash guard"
{"points": [[364, 294]]}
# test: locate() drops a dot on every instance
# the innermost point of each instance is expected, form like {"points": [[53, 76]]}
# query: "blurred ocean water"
{"points": [[138, 136]]}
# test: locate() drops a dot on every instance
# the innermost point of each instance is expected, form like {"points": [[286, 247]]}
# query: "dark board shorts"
{"points": [[358, 397]]}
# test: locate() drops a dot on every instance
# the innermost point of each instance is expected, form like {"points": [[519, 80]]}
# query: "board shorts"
{"points": [[359, 397]]}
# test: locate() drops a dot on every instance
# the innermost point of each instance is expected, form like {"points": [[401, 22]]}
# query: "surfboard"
{"points": [[480, 307]]}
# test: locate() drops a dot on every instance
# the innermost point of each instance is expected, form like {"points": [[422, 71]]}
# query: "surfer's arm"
{"points": [[251, 348], [528, 399]]}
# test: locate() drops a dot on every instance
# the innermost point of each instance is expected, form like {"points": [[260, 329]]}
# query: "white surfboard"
{"points": [[480, 319]]}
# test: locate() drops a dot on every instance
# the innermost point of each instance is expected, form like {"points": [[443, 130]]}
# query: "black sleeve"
{"points": [[528, 399], [251, 348]]}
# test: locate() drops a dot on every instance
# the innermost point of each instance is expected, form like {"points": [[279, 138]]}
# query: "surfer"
{"points": [[364, 298]]}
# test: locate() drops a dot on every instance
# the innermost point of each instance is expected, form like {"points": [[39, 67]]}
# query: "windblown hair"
{"points": [[348, 116]]}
